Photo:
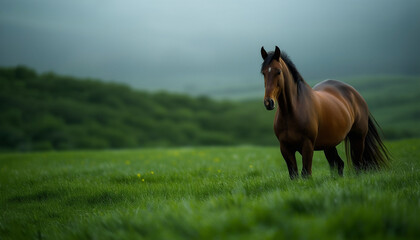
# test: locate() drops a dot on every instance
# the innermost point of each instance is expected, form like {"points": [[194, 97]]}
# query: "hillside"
{"points": [[48, 111], [393, 100]]}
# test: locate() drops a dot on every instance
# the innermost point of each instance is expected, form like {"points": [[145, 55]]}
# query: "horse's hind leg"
{"points": [[356, 137], [334, 160], [357, 146]]}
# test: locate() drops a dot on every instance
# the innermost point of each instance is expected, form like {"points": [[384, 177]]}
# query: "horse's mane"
{"points": [[290, 65]]}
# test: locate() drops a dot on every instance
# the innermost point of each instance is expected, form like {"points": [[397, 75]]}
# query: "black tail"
{"points": [[375, 154]]}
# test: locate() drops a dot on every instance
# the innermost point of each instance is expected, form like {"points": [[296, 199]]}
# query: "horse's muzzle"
{"points": [[269, 104]]}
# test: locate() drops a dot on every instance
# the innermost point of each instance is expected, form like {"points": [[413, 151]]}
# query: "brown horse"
{"points": [[319, 119]]}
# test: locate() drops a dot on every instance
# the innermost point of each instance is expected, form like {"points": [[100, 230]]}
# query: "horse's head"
{"points": [[273, 76]]}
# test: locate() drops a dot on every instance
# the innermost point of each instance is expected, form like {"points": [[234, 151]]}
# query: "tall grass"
{"points": [[204, 193]]}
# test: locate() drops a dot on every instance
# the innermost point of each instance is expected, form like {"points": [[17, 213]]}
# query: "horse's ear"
{"points": [[277, 54], [263, 53]]}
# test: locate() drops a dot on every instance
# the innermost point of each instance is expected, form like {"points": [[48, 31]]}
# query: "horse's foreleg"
{"points": [[290, 158], [307, 155]]}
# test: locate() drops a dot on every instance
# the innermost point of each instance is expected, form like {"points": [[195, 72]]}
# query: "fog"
{"points": [[193, 45]]}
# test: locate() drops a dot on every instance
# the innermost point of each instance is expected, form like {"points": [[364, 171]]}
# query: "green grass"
{"points": [[204, 193]]}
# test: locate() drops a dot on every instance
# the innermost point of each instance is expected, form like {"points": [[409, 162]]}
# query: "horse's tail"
{"points": [[375, 154]]}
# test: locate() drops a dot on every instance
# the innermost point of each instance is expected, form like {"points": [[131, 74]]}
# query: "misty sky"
{"points": [[192, 44]]}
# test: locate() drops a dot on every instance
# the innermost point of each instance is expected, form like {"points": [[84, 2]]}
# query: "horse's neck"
{"points": [[292, 95]]}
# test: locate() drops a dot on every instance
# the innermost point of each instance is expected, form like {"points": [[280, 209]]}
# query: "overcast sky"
{"points": [[189, 44]]}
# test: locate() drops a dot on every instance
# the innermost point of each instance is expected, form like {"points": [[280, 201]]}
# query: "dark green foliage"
{"points": [[47, 111]]}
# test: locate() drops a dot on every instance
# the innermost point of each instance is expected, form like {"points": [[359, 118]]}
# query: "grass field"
{"points": [[204, 193]]}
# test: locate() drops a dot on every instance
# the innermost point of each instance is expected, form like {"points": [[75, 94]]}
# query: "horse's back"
{"points": [[345, 93], [336, 88]]}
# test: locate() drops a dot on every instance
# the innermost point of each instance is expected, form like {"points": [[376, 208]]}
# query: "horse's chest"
{"points": [[290, 130]]}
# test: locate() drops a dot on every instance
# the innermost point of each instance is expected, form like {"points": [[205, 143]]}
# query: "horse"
{"points": [[319, 118]]}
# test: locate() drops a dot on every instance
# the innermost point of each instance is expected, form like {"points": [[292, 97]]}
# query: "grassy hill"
{"points": [[48, 111], [393, 100], [204, 193]]}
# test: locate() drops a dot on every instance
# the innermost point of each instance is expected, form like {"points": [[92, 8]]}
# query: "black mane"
{"points": [[290, 65]]}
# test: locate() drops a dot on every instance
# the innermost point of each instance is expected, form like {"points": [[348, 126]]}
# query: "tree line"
{"points": [[53, 112], [48, 111]]}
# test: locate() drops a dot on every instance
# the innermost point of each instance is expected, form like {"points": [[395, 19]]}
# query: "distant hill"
{"points": [[48, 111], [393, 100]]}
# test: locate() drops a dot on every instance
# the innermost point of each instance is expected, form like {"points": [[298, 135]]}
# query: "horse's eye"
{"points": [[279, 72]]}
